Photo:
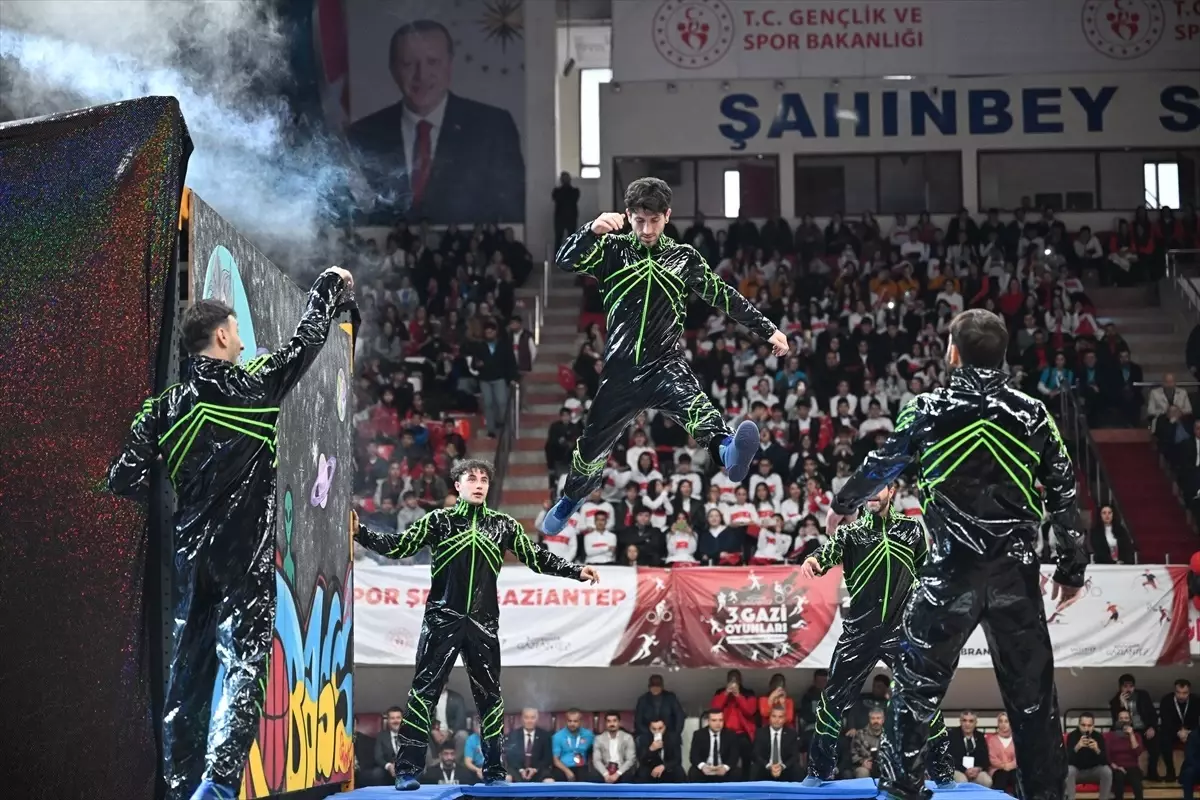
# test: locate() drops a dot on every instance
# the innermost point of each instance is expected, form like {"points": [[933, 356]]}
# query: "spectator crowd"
{"points": [[742, 735], [867, 312]]}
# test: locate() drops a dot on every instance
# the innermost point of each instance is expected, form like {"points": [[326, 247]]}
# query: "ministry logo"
{"points": [[1123, 29], [693, 34]]}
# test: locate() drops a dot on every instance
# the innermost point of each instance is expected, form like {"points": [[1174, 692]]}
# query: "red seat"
{"points": [[368, 723], [627, 721]]}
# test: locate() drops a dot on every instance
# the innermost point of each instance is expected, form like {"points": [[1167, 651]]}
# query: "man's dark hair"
{"points": [[448, 747], [469, 465], [981, 338], [1183, 683], [397, 709], [648, 194], [1087, 715], [199, 322], [419, 26], [1126, 678], [616, 714], [574, 711]]}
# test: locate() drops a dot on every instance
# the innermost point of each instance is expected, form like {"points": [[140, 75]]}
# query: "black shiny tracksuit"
{"points": [[880, 555], [645, 292], [979, 447], [215, 433], [462, 615]]}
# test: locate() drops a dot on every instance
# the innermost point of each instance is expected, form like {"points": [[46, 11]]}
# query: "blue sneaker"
{"points": [[407, 783], [559, 514], [207, 790], [495, 782], [738, 451], [812, 781], [946, 786]]}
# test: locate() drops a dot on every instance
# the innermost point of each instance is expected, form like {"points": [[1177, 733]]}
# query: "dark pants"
{"points": [[1164, 749], [226, 601], [564, 227], [375, 776], [1132, 778], [583, 774], [672, 774], [694, 775], [1154, 752], [791, 773], [1005, 780], [624, 392], [1189, 776], [444, 635], [1005, 597], [857, 652]]}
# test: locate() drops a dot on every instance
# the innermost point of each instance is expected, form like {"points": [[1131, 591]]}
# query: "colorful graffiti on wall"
{"points": [[305, 737]]}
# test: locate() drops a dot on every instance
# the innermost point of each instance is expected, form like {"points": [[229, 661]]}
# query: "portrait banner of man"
{"points": [[436, 107]]}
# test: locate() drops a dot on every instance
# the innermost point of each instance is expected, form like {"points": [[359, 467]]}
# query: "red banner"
{"points": [[755, 617], [651, 633]]}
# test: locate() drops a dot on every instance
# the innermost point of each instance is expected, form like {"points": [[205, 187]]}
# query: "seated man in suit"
{"points": [[969, 752], [659, 754], [714, 751], [447, 771], [387, 744], [419, 153], [528, 754], [776, 751], [614, 755]]}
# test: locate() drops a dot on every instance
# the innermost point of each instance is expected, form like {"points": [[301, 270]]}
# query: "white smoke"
{"points": [[221, 59]]}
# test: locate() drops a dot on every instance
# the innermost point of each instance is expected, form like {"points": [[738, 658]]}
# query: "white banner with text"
{"points": [[728, 39], [762, 617]]}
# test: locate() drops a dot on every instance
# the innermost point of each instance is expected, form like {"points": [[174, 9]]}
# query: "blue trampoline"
{"points": [[859, 789]]}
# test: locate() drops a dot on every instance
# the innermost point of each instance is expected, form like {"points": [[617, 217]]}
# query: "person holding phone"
{"points": [[1087, 758], [1125, 746]]}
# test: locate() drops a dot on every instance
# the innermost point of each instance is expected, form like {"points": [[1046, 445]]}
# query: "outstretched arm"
{"points": [[281, 370], [829, 555], [583, 250], [535, 555], [723, 297], [129, 472], [884, 465], [1057, 475], [400, 544]]}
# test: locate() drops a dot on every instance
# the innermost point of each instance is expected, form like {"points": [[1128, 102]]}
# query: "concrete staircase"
{"points": [[526, 481], [1157, 337]]}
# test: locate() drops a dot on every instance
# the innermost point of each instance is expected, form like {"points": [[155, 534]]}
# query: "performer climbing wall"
{"points": [[310, 675]]}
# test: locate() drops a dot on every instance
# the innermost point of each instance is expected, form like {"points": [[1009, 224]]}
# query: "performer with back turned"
{"points": [[214, 434], [467, 543], [880, 554], [978, 447], [645, 280]]}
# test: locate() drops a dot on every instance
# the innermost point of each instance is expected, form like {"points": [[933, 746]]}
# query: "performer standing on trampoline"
{"points": [[214, 433], [645, 280], [880, 554], [467, 543], [979, 446]]}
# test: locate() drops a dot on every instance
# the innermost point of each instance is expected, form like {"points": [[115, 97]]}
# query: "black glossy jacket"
{"points": [[979, 446], [645, 292], [880, 555], [216, 434], [467, 544]]}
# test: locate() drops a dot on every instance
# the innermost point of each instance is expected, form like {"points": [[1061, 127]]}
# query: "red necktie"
{"points": [[422, 160]]}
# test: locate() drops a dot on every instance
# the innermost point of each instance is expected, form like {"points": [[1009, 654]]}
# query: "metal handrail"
{"points": [[509, 434], [1187, 289], [1087, 456]]}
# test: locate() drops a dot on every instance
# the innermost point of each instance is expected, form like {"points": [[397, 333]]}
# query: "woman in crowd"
{"points": [[1110, 539], [1002, 757]]}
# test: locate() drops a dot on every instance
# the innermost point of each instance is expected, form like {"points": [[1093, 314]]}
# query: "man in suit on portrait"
{"points": [[435, 155]]}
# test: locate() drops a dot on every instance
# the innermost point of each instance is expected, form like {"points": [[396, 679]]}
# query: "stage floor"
{"points": [[859, 789]]}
